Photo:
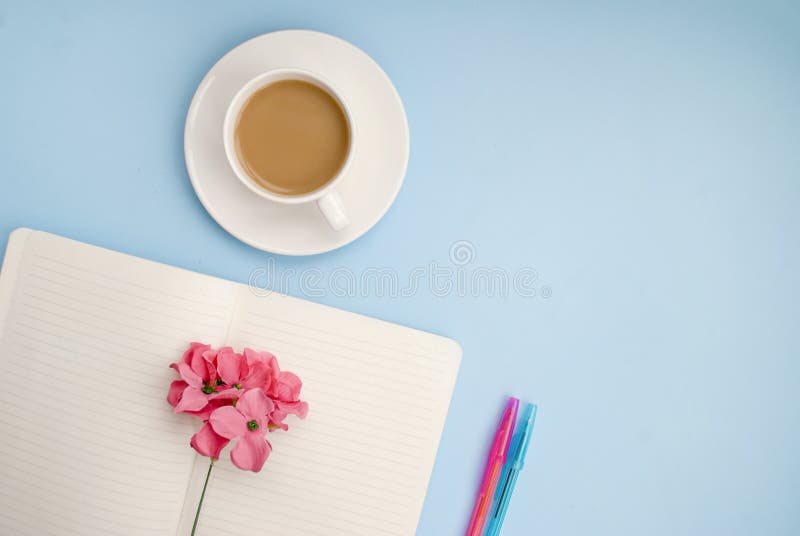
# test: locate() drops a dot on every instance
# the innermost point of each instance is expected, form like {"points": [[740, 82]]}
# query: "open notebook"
{"points": [[90, 446]]}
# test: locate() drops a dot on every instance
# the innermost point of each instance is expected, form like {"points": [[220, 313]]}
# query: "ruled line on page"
{"points": [[27, 336], [278, 522], [114, 343], [156, 404], [96, 323], [154, 364], [106, 523], [143, 303], [80, 432], [66, 482], [366, 486], [308, 361], [377, 369], [319, 386], [63, 525], [86, 293], [265, 506], [283, 488], [371, 389], [381, 475], [184, 296], [432, 357], [105, 313], [121, 294], [100, 464], [21, 525], [42, 363], [373, 355], [344, 415], [289, 481]]}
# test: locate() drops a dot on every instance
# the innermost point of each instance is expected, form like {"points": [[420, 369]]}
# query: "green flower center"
{"points": [[237, 385], [220, 382], [252, 425], [207, 389]]}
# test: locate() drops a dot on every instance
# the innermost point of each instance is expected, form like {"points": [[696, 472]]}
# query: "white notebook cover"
{"points": [[90, 446]]}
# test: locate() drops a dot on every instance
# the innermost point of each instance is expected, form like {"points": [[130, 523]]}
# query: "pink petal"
{"points": [[207, 442], [228, 422], [268, 360], [254, 404], [203, 414], [209, 354], [192, 400], [229, 366], [189, 376], [298, 408], [244, 367], [210, 358], [187, 355], [287, 387], [258, 377], [275, 425], [284, 409], [196, 360], [176, 389], [250, 452], [251, 356]]}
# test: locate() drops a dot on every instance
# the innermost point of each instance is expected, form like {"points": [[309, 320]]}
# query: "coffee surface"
{"points": [[292, 137]]}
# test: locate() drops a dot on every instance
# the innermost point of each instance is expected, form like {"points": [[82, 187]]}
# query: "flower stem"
{"points": [[202, 496]]}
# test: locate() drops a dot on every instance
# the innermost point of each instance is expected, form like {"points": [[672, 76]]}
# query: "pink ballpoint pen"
{"points": [[494, 465]]}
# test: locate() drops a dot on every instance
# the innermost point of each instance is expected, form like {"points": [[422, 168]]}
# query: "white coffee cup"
{"points": [[326, 197]]}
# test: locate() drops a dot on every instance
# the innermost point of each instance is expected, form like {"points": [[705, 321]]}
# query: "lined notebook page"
{"points": [[90, 446], [360, 463]]}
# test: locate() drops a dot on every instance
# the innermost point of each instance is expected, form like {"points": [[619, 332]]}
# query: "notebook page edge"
{"points": [[9, 273], [458, 354]]}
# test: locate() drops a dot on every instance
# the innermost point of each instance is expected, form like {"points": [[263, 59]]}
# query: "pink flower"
{"points": [[283, 389], [192, 393], [237, 396], [177, 387], [236, 375], [199, 356], [285, 393], [267, 360], [247, 422]]}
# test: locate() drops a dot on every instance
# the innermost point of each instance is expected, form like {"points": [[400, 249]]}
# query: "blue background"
{"points": [[643, 157]]}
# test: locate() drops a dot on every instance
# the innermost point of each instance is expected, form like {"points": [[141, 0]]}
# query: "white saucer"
{"points": [[379, 162]]}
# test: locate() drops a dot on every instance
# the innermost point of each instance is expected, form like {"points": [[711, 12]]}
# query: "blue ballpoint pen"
{"points": [[514, 465]]}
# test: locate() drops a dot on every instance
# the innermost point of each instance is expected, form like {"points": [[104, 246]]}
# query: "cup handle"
{"points": [[332, 208]]}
